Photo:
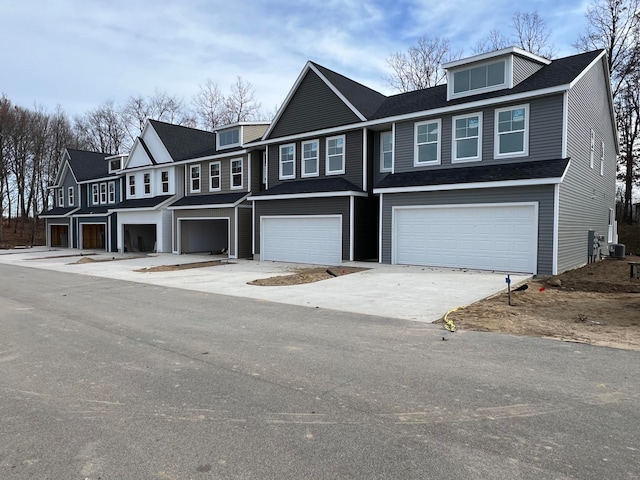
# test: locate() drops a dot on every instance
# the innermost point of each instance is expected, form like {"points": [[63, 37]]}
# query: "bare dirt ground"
{"points": [[183, 266], [597, 304], [306, 275]]}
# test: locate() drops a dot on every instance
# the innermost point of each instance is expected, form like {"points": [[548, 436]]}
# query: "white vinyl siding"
{"points": [[512, 131], [427, 147]]}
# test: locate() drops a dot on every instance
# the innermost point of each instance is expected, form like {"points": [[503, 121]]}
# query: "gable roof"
{"points": [[88, 165], [184, 143], [559, 72]]}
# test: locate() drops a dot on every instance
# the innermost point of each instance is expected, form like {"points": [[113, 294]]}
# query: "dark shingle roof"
{"points": [[141, 202], [537, 170], [213, 199], [88, 165], [183, 143], [364, 99], [95, 210], [316, 185], [559, 72], [58, 212]]}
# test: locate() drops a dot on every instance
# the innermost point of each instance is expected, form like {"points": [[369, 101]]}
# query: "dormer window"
{"points": [[480, 77], [228, 138], [115, 164]]}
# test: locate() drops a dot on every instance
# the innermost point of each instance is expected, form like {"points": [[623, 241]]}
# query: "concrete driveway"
{"points": [[397, 291]]}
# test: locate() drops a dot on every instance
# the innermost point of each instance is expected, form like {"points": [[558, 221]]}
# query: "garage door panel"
{"points": [[316, 240], [492, 237]]}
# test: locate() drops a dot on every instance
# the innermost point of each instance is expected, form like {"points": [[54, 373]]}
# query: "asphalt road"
{"points": [[103, 379]]}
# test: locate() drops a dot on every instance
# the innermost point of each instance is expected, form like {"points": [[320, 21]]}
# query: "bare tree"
{"points": [[614, 25], [421, 66], [530, 32], [209, 105], [241, 105], [101, 129]]}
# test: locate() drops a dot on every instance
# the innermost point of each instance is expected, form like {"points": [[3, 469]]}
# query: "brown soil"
{"points": [[182, 266], [597, 304], [306, 275]]}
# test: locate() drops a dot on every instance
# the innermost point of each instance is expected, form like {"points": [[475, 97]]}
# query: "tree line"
{"points": [[32, 140]]}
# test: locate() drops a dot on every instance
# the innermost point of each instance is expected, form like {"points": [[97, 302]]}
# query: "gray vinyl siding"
{"points": [[208, 213], [523, 69], [304, 206], [225, 176], [543, 194], [585, 195], [353, 159], [545, 136], [256, 170], [245, 217], [66, 183], [166, 231], [252, 132], [314, 106]]}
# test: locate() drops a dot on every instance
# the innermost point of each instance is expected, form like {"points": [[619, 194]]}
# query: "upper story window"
{"points": [[602, 159], [229, 138], [467, 138], [164, 181], [287, 161], [335, 155], [512, 131], [593, 147], [103, 193], [70, 196], [386, 151], [112, 192], [214, 176], [115, 164], [95, 193], [427, 135], [194, 178], [236, 173], [146, 181], [310, 159], [132, 185], [483, 77]]}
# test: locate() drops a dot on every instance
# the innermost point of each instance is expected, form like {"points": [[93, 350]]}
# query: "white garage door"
{"points": [[314, 239], [485, 237]]}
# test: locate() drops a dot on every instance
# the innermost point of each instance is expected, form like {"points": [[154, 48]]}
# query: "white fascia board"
{"points": [[102, 179], [65, 164], [308, 195], [219, 156], [422, 113], [495, 54], [469, 186], [198, 207], [338, 93], [68, 214]]}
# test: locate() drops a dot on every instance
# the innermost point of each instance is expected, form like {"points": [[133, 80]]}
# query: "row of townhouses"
{"points": [[506, 167]]}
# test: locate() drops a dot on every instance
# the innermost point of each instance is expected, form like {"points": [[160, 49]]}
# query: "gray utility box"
{"points": [[616, 250]]}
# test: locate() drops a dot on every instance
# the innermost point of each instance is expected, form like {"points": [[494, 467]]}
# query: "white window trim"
{"points": [[508, 79], [302, 159], [131, 186], [437, 161], [162, 182], [592, 147], [231, 174], [496, 134], [111, 189], [193, 168], [103, 193], [95, 194], [219, 176], [602, 159], [344, 155], [281, 176], [70, 196], [610, 229], [382, 152], [478, 157], [144, 184], [229, 145], [61, 197]]}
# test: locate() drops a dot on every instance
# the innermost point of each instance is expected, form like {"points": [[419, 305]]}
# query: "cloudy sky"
{"points": [[81, 53]]}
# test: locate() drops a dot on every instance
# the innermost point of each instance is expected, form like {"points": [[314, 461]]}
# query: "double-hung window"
{"points": [[512, 131], [61, 197], [335, 155], [602, 159], [592, 147], [310, 158], [214, 176], [112, 192], [194, 178], [427, 150], [146, 180], [467, 138], [103, 193], [386, 151], [70, 196], [164, 180], [236, 173], [95, 193], [287, 161], [132, 185]]}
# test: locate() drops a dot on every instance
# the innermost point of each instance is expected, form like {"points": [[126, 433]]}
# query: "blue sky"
{"points": [[81, 53]]}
